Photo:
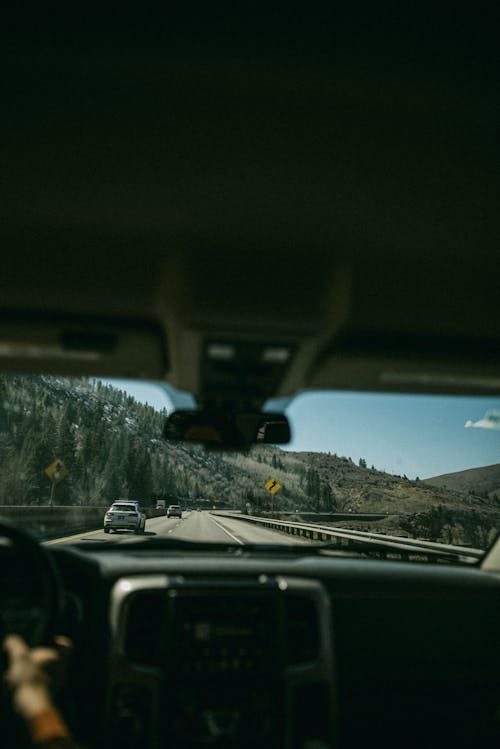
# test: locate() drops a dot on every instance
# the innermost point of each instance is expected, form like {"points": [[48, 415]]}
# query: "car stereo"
{"points": [[223, 669], [203, 662]]}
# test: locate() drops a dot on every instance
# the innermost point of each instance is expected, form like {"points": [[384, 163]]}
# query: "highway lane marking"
{"points": [[93, 533], [70, 538], [226, 531], [83, 535]]}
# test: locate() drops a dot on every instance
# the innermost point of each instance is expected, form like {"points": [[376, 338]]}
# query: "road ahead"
{"points": [[198, 526]]}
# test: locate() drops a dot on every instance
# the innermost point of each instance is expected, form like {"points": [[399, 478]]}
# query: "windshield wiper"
{"points": [[178, 544], [407, 550], [404, 549], [152, 544]]}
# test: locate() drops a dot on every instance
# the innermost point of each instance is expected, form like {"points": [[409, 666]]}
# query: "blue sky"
{"points": [[416, 435], [144, 392]]}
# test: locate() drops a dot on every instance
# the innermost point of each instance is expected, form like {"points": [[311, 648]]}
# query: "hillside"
{"points": [[112, 447], [482, 482], [328, 483]]}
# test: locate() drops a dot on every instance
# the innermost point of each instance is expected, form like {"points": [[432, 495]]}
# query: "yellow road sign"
{"points": [[273, 486], [56, 471]]}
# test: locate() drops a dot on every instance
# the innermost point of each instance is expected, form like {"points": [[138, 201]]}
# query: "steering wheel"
{"points": [[30, 602]]}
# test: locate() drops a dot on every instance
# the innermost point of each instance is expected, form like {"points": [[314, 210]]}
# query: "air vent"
{"points": [[144, 627], [302, 633]]}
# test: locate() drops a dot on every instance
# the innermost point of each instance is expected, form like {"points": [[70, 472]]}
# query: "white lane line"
{"points": [[84, 535], [226, 531], [72, 538]]}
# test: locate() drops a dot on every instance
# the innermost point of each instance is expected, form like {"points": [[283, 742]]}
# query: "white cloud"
{"points": [[490, 420]]}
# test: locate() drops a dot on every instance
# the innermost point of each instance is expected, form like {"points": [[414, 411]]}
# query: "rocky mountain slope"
{"points": [[481, 482]]}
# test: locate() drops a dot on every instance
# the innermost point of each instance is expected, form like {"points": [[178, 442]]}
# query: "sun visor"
{"points": [[82, 346], [405, 362]]}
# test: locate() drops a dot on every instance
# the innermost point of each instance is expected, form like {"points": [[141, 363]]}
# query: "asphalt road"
{"points": [[198, 526]]}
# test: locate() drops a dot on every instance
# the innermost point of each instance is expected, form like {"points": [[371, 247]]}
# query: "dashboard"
{"points": [[274, 650]]}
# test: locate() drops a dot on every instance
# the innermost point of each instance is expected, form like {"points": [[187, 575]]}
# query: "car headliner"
{"points": [[329, 182]]}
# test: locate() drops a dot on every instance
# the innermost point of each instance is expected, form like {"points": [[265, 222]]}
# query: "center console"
{"points": [[201, 662]]}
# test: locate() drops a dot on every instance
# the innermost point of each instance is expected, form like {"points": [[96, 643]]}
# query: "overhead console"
{"points": [[212, 662]]}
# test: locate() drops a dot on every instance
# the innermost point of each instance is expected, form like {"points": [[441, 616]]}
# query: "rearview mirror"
{"points": [[227, 430]]}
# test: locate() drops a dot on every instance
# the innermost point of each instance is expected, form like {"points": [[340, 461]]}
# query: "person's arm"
{"points": [[27, 676]]}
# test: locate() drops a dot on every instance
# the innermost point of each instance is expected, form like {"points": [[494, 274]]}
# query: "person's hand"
{"points": [[33, 672]]}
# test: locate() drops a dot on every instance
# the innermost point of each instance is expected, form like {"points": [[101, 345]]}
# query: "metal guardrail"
{"points": [[319, 532]]}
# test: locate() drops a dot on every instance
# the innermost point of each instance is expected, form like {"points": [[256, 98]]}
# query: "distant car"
{"points": [[125, 515], [160, 505], [174, 511]]}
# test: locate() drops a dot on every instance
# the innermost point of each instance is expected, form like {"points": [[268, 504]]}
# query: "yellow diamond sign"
{"points": [[56, 471], [273, 486]]}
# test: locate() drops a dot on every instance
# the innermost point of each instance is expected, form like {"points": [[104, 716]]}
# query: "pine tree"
{"points": [[114, 476]]}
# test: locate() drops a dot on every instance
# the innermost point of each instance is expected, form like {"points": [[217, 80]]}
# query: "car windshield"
{"points": [[361, 468]]}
